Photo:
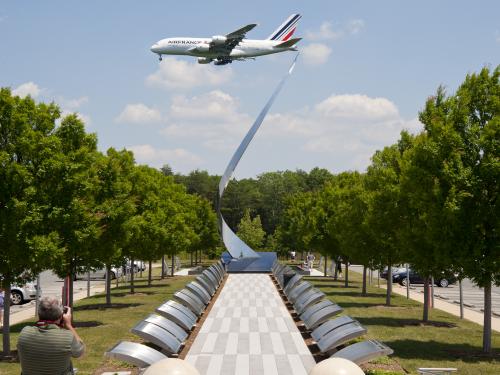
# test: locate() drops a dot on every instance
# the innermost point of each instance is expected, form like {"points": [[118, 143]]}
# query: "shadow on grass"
{"points": [[358, 294], [87, 324], [103, 306], [125, 294], [140, 286], [437, 351], [12, 358], [398, 322]]}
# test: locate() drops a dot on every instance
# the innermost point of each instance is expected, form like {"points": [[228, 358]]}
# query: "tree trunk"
{"points": [[425, 317], [461, 291], [192, 258], [173, 266], [363, 292], [132, 271], [326, 268], [108, 285], [150, 271], [487, 319], [71, 290], [346, 282], [389, 285], [162, 267], [6, 318]]}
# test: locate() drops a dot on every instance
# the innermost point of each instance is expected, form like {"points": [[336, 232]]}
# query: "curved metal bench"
{"points": [[322, 316], [330, 325], [168, 325], [188, 299], [362, 352], [341, 335], [199, 291], [136, 354], [314, 308], [297, 291], [152, 333], [307, 299]]}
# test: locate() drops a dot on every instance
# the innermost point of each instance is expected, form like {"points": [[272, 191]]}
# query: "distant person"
{"points": [[310, 260], [47, 347], [292, 255]]}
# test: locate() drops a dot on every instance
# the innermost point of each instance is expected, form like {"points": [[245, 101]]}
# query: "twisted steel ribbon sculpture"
{"points": [[234, 245]]}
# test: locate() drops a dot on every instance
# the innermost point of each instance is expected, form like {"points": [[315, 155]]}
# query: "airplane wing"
{"points": [[231, 40]]}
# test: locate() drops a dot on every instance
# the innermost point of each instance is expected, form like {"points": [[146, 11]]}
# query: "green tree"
{"points": [[114, 206], [464, 131], [385, 216], [250, 231], [71, 194], [27, 149]]}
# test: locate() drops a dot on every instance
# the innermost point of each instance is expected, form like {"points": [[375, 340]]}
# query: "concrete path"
{"points": [[250, 331]]}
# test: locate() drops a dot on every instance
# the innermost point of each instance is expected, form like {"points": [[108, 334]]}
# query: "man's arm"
{"points": [[77, 347]]}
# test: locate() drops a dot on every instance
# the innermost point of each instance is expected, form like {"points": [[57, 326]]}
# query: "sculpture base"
{"points": [[251, 265]]}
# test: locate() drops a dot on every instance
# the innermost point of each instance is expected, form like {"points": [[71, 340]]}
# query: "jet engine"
{"points": [[204, 60], [203, 47], [218, 39]]}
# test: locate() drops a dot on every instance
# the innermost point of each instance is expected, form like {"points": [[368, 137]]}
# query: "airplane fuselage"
{"points": [[200, 47]]}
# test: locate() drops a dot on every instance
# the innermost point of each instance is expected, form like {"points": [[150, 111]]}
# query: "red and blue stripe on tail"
{"points": [[286, 29]]}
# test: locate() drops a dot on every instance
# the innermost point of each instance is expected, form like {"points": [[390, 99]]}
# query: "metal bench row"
{"points": [[169, 328], [319, 316]]}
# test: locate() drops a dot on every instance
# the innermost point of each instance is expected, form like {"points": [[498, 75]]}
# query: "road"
{"points": [[52, 286], [473, 295]]}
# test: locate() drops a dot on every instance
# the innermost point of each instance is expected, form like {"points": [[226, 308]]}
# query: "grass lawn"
{"points": [[446, 341], [102, 327]]}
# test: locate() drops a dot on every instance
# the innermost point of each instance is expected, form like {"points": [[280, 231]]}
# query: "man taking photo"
{"points": [[47, 347]]}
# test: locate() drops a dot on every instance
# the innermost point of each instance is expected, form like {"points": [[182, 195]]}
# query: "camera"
{"points": [[65, 310]]}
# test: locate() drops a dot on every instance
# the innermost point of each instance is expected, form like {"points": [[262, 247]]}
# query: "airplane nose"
{"points": [[154, 48]]}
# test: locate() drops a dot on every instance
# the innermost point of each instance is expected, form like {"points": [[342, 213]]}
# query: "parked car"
{"points": [[100, 274], [21, 294], [442, 280], [384, 272]]}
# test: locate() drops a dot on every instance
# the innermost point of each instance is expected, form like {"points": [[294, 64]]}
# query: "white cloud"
{"points": [[180, 74], [178, 158], [72, 104], [28, 88], [355, 26], [358, 107], [327, 33], [212, 117], [340, 132], [316, 54], [138, 114], [346, 128]]}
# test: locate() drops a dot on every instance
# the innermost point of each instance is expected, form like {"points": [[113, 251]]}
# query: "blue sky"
{"points": [[364, 72]]}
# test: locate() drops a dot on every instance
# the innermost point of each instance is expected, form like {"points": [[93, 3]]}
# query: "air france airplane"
{"points": [[224, 49]]}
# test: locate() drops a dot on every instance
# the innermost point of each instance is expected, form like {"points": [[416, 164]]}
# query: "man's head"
{"points": [[50, 309]]}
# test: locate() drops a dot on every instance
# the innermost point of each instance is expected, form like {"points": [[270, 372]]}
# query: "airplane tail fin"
{"points": [[288, 43], [286, 29]]}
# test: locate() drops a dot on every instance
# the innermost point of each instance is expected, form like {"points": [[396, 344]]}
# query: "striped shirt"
{"points": [[47, 350]]}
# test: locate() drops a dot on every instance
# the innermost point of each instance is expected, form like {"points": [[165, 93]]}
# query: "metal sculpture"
{"points": [[234, 245]]}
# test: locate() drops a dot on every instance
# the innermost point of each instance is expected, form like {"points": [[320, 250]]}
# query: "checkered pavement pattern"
{"points": [[250, 331]]}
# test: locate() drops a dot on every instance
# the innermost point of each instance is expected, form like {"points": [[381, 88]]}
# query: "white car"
{"points": [[100, 274], [21, 294]]}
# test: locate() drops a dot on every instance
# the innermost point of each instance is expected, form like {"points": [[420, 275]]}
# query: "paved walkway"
{"points": [[250, 331]]}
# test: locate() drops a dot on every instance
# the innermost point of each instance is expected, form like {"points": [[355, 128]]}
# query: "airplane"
{"points": [[224, 49]]}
